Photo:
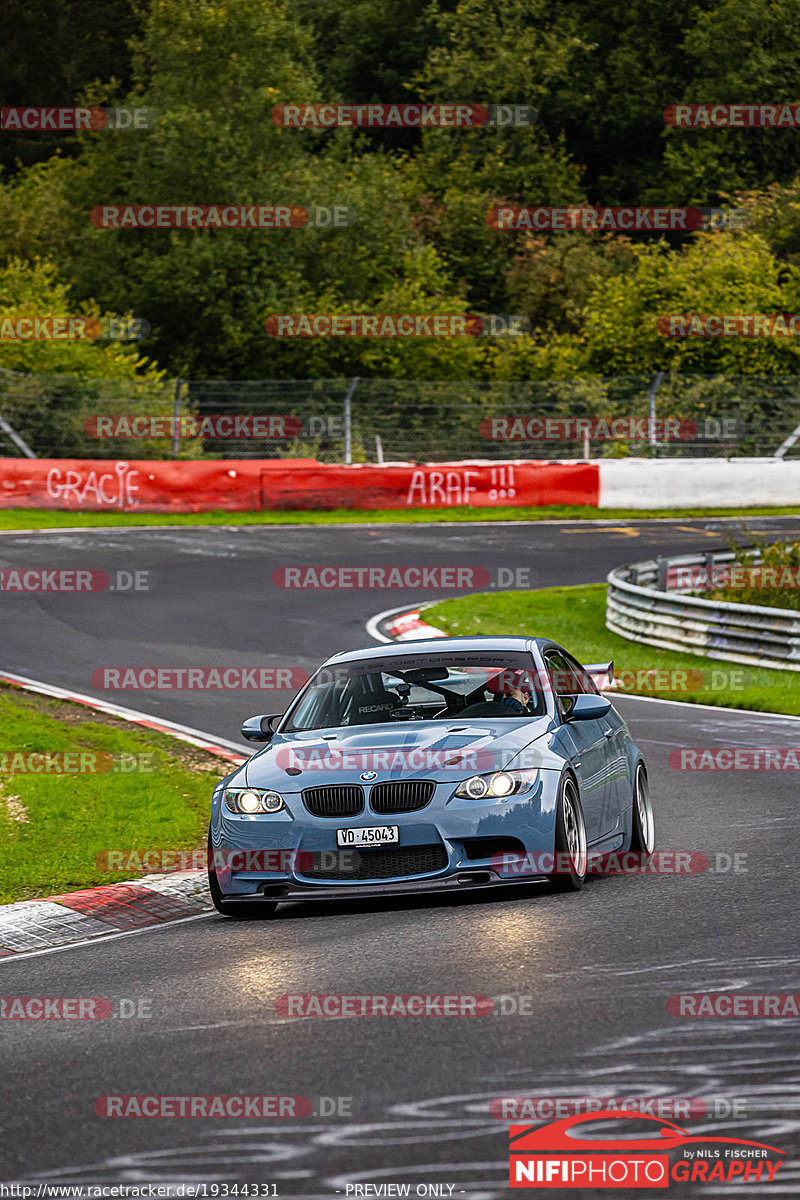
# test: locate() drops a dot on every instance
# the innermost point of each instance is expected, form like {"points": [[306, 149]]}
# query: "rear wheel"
{"points": [[643, 829], [235, 908], [570, 839]]}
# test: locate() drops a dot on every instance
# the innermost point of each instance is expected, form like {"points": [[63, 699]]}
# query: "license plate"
{"points": [[368, 835]]}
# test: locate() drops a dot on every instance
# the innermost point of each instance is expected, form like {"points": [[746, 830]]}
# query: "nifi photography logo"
{"points": [[557, 1156]]}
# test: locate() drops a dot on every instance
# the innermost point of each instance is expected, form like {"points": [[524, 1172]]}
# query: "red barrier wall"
{"points": [[245, 486]]}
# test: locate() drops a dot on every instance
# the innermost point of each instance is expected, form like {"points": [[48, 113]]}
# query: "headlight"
{"points": [[497, 786], [252, 800]]}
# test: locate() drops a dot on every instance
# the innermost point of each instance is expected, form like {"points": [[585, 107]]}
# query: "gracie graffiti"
{"points": [[115, 491]]}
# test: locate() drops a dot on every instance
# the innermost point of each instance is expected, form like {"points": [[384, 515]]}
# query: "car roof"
{"points": [[442, 645]]}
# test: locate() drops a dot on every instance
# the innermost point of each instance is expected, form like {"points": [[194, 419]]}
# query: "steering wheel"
{"points": [[407, 712]]}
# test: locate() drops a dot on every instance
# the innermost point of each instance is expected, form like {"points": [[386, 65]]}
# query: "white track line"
{"points": [[185, 733], [374, 622], [102, 938], [717, 708]]}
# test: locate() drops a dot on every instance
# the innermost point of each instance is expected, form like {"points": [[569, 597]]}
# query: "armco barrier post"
{"points": [[348, 422], [651, 413], [661, 577], [177, 415]]}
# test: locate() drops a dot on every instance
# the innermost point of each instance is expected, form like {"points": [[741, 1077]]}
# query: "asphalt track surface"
{"points": [[598, 966]]}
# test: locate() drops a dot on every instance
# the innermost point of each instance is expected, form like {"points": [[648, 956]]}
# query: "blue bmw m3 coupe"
{"points": [[449, 764]]}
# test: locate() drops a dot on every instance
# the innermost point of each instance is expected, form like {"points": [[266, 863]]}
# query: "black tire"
{"points": [[570, 840], [235, 908], [643, 832]]}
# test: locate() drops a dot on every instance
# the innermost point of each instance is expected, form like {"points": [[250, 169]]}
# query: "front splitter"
{"points": [[462, 882]]}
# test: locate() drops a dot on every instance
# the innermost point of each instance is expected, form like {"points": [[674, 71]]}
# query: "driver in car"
{"points": [[514, 692]]}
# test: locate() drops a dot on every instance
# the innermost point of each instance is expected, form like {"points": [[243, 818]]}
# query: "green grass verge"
{"points": [[783, 559], [40, 518], [575, 617], [52, 827]]}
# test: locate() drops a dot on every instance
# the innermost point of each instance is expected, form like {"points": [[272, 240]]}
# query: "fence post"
{"points": [[13, 436], [661, 573], [348, 422], [788, 443], [177, 418], [651, 413]]}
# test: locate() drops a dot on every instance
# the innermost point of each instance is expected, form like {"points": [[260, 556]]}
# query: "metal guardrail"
{"points": [[639, 607]]}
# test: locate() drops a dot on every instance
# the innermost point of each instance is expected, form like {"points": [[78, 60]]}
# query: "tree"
{"points": [[619, 332], [50, 387], [50, 52]]}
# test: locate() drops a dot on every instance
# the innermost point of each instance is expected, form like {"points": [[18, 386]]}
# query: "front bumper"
{"points": [[470, 880], [450, 828]]}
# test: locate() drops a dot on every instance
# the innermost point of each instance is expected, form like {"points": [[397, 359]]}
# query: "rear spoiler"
{"points": [[601, 669]]}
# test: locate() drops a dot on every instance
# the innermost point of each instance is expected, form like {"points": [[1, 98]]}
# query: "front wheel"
{"points": [[643, 829], [234, 908], [570, 839]]}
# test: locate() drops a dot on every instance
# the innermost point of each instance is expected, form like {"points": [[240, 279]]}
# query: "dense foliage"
{"points": [[600, 77]]}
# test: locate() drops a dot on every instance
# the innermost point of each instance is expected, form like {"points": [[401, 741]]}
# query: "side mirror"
{"points": [[259, 729], [587, 707]]}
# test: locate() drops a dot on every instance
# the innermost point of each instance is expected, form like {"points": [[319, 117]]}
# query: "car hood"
{"points": [[441, 750]]}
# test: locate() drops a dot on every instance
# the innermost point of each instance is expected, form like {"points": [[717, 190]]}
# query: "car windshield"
{"points": [[412, 687]]}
